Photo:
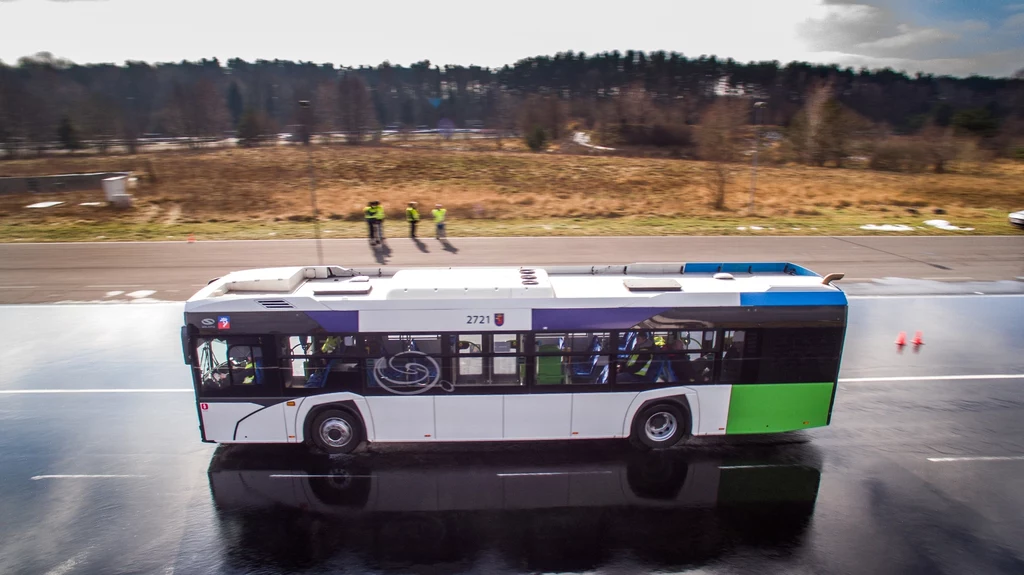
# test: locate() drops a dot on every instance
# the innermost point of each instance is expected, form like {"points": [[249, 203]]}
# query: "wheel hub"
{"points": [[336, 432], [660, 426]]}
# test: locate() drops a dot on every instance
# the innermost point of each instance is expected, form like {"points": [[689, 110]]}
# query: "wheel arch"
{"points": [[347, 405], [679, 399]]}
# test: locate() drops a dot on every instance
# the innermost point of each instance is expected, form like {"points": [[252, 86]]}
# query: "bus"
{"points": [[654, 352]]}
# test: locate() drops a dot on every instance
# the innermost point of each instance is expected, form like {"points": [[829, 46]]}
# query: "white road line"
{"points": [[115, 390], [550, 473], [931, 378], [38, 477], [933, 296], [106, 286], [978, 458], [301, 475], [19, 287], [949, 278], [756, 466]]}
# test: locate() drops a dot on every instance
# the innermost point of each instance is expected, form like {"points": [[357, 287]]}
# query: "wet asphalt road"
{"points": [[119, 482]]}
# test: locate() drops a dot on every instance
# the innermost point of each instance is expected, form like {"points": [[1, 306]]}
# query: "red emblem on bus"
{"points": [[223, 322], [204, 406], [499, 319]]}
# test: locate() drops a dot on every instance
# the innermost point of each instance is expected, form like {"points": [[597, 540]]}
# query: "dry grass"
{"points": [[264, 186]]}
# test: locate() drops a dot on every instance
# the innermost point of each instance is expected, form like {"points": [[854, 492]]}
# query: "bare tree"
{"points": [[198, 111], [355, 112], [325, 112], [718, 138], [939, 145]]}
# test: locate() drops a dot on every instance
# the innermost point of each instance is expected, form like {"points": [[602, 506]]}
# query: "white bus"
{"points": [[335, 357]]}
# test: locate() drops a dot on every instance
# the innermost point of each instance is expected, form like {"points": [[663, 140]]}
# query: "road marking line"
{"points": [[549, 473], [38, 477], [105, 286], [301, 475], [19, 287], [933, 296], [120, 390], [979, 458], [949, 278], [756, 466], [931, 378]]}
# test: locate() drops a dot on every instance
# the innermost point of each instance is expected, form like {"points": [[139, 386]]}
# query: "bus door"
{"points": [[473, 410], [239, 391]]}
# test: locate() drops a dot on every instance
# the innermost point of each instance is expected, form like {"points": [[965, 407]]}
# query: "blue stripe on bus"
{"points": [[336, 321], [749, 267], [592, 319], [793, 298]]}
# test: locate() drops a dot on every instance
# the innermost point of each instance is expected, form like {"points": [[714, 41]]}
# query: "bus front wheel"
{"points": [[335, 431], [658, 426]]}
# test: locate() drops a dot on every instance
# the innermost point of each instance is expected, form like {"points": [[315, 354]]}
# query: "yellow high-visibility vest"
{"points": [[439, 215], [330, 344], [643, 370], [251, 378], [368, 212], [412, 215]]}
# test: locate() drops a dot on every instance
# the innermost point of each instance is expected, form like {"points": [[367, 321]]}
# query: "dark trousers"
{"points": [[412, 228], [373, 229]]}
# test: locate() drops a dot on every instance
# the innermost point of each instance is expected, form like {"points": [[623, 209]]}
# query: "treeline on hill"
{"points": [[627, 100]]}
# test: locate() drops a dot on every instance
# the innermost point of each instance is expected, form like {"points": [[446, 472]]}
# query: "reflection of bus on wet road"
{"points": [[653, 352], [557, 509]]}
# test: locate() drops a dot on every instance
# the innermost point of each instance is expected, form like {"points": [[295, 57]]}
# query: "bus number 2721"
{"points": [[478, 319]]}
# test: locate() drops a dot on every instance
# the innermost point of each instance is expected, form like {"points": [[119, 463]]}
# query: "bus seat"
{"points": [[319, 377], [549, 368], [653, 372]]}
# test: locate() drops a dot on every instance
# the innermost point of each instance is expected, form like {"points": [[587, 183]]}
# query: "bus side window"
{"points": [[732, 356], [222, 366]]}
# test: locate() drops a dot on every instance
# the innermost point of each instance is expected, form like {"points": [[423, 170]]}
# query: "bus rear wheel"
{"points": [[658, 426], [335, 431]]}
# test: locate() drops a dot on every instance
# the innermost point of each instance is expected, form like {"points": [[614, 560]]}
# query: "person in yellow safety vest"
{"points": [[659, 341], [439, 213], [331, 344], [378, 214], [250, 371], [369, 213], [412, 215], [639, 361]]}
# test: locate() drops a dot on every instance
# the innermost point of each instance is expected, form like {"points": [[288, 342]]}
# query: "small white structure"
{"points": [[115, 190]]}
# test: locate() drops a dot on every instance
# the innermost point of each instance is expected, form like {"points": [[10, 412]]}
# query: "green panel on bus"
{"points": [[775, 407]]}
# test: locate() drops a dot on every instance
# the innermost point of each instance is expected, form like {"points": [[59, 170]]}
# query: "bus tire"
{"points": [[336, 431], [658, 426]]}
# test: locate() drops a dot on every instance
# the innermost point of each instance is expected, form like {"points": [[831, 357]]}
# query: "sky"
{"points": [[957, 37]]}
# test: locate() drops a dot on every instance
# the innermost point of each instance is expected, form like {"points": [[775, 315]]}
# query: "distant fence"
{"points": [[56, 183]]}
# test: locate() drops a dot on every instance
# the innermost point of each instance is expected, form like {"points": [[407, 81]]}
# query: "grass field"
{"points": [[261, 193]]}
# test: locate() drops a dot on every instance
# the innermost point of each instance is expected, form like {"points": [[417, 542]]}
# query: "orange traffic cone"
{"points": [[191, 238], [901, 339], [918, 338]]}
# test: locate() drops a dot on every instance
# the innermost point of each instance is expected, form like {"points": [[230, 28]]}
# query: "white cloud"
{"points": [[909, 37], [1014, 22], [482, 33], [974, 26]]}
